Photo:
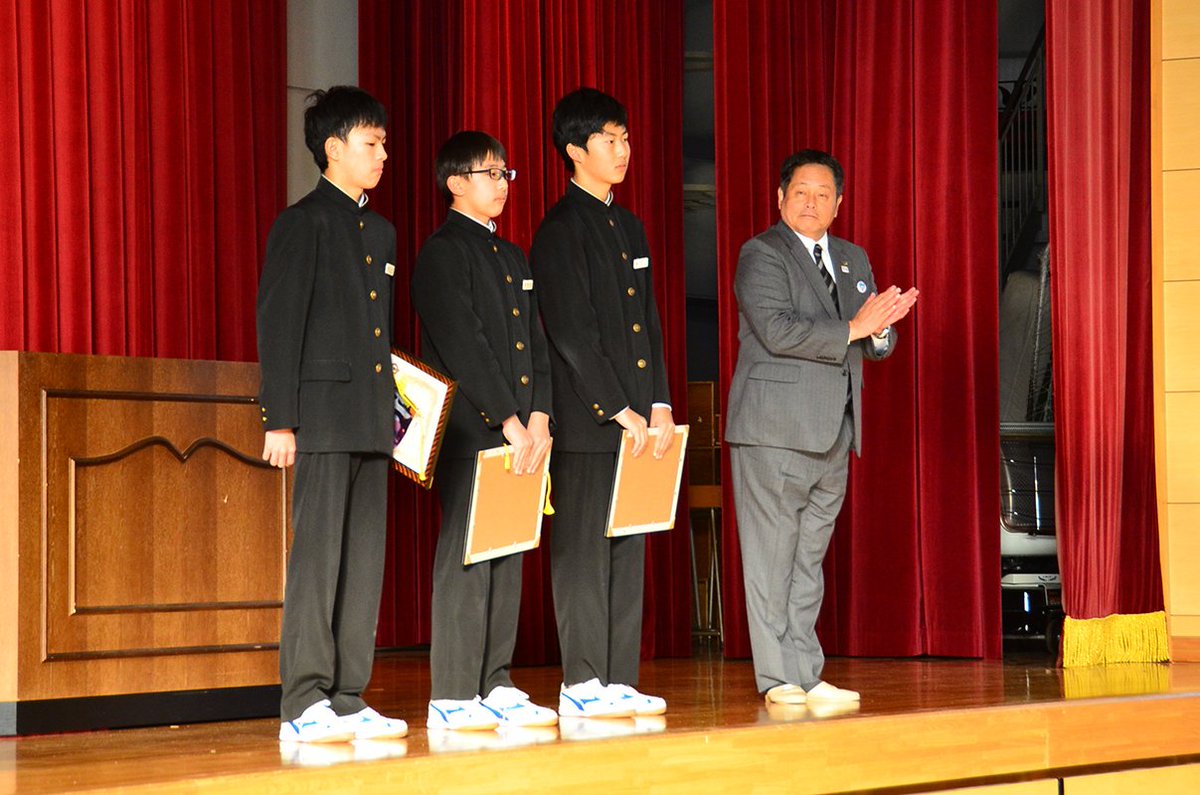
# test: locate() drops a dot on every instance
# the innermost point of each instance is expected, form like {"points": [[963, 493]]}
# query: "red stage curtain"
{"points": [[144, 170], [1098, 127], [468, 64], [405, 57], [904, 95]]}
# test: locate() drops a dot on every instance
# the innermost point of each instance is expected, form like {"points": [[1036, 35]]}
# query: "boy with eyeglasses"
{"points": [[474, 294], [592, 262], [324, 321]]}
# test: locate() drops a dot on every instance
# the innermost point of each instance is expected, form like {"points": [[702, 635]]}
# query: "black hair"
{"points": [[580, 115], [807, 157], [336, 112], [462, 152]]}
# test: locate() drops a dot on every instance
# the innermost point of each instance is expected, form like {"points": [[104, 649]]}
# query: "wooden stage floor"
{"points": [[923, 724]]}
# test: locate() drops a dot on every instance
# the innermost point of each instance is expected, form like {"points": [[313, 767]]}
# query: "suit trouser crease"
{"points": [[597, 581], [787, 502], [475, 607], [334, 580]]}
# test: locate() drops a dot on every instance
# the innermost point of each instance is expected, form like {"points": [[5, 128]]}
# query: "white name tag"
{"points": [[641, 262], [389, 269], [527, 284]]}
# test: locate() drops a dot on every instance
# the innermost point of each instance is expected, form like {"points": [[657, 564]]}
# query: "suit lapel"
{"points": [[847, 290], [804, 263]]}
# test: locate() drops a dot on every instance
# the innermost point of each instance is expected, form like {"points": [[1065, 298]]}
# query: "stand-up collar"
{"points": [[460, 220], [338, 197], [588, 200]]}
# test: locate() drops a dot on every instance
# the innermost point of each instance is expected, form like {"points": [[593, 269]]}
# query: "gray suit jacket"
{"points": [[790, 385]]}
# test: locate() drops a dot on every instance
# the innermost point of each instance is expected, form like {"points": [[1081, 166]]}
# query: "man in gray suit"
{"points": [[809, 314]]}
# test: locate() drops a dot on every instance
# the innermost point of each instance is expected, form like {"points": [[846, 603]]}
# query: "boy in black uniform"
{"points": [[479, 325], [324, 344], [592, 264]]}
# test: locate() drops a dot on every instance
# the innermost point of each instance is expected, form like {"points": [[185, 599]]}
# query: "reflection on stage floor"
{"points": [[922, 721]]}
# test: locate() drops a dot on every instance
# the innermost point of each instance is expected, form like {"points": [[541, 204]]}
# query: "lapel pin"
{"points": [[845, 268], [861, 286]]}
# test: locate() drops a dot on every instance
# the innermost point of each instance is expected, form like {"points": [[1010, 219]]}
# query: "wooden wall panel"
{"points": [[1181, 329], [1183, 445], [152, 536], [1181, 233], [1181, 38], [1183, 527], [1180, 113], [1186, 625], [1175, 204]]}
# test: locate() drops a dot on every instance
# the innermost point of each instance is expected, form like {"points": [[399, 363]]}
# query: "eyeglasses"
{"points": [[496, 174]]}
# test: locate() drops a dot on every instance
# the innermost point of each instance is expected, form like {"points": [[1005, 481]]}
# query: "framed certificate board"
{"points": [[506, 509], [646, 489], [420, 409]]}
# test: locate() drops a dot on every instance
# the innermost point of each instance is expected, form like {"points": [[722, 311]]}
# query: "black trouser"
{"points": [[597, 580], [334, 578], [476, 607]]}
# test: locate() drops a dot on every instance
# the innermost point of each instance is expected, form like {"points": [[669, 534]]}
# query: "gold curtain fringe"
{"points": [[1137, 638]]}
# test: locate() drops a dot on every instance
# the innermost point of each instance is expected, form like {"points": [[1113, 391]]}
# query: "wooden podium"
{"points": [[142, 544]]}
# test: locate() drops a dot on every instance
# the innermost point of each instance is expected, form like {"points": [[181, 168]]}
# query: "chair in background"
{"points": [[704, 503]]}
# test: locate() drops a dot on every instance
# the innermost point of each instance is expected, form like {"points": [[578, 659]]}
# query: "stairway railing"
{"points": [[1023, 153]]}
